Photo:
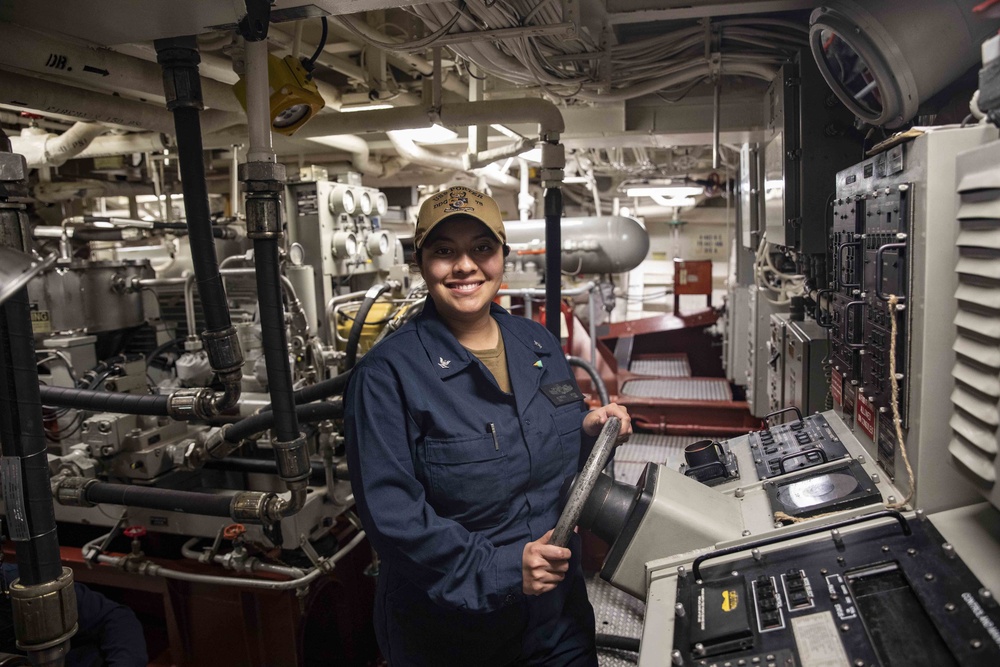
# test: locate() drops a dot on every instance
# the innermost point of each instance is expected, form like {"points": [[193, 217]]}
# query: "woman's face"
{"points": [[462, 263]]}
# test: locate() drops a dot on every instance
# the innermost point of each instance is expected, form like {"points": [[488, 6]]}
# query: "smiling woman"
{"points": [[462, 427]]}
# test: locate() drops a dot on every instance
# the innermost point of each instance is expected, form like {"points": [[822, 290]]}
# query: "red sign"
{"points": [[866, 416], [837, 387]]}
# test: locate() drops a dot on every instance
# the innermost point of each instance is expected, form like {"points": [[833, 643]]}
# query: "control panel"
{"points": [[795, 446], [891, 594]]}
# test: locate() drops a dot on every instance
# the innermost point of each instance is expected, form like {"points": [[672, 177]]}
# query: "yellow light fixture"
{"points": [[295, 97]]}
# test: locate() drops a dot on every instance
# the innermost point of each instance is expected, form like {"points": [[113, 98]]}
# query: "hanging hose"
{"points": [[553, 260], [595, 378], [354, 338], [618, 643], [179, 60]]}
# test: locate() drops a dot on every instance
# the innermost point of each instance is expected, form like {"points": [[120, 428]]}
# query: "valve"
{"points": [[234, 532], [134, 533]]}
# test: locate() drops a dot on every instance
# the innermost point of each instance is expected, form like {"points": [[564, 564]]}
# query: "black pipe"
{"points": [[334, 386], [354, 338], [553, 260], [262, 421], [274, 339], [150, 497], [618, 643], [32, 526], [595, 378], [179, 58], [104, 401], [265, 467]]}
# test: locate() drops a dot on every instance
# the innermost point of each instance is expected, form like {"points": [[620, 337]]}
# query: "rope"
{"points": [[893, 300]]}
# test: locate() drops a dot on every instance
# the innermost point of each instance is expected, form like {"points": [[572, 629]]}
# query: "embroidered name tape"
{"points": [[561, 393]]}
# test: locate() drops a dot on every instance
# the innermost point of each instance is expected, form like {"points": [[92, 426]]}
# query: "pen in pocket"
{"points": [[493, 431]]}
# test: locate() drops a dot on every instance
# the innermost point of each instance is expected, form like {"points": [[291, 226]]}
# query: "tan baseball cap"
{"points": [[458, 200]]}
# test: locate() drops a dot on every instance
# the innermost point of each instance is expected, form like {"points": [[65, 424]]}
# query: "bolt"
{"points": [[859, 663], [837, 537], [876, 478], [891, 500], [844, 627], [949, 550], [699, 649], [975, 644], [740, 493], [746, 533], [883, 410], [911, 551], [755, 553], [929, 576], [950, 607], [986, 595], [901, 236], [885, 548], [861, 459], [840, 560], [679, 609], [676, 657], [904, 187], [104, 426], [681, 571]]}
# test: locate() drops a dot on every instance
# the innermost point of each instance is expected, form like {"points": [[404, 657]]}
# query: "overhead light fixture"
{"points": [[665, 191], [674, 202], [365, 107], [294, 98], [532, 155], [435, 134]]}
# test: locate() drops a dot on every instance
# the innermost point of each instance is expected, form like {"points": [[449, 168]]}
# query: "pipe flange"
{"points": [[51, 608], [263, 218], [250, 506]]}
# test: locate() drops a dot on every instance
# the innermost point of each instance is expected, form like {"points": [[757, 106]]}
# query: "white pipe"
{"points": [[420, 155], [525, 200], [54, 192], [41, 149], [41, 53], [361, 155], [125, 144], [62, 100], [258, 103]]}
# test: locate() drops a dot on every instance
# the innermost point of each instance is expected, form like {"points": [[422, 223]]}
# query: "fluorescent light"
{"points": [[532, 155], [435, 134], [668, 191], [674, 202], [365, 107]]}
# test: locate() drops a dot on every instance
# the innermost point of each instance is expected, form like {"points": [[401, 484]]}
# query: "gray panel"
{"points": [[691, 389]]}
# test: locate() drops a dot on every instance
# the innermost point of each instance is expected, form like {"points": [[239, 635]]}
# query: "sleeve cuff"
{"points": [[510, 580]]}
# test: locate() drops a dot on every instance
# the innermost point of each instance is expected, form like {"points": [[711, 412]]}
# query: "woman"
{"points": [[461, 429]]}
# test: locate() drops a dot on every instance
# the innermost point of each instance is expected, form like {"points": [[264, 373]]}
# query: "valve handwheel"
{"points": [[584, 482], [135, 532]]}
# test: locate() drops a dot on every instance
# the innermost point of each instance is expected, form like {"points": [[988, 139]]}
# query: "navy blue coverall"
{"points": [[449, 506]]}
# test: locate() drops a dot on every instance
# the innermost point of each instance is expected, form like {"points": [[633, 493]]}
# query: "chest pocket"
{"points": [[467, 480], [569, 421]]}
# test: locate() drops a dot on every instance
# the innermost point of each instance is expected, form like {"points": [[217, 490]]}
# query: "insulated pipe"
{"points": [[28, 50], [42, 149], [420, 155], [460, 114], [54, 192], [259, 104], [361, 155], [553, 261], [354, 338], [65, 100], [125, 144], [171, 500], [263, 467]]}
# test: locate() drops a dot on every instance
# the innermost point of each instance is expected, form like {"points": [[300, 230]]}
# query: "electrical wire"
{"points": [[320, 46]]}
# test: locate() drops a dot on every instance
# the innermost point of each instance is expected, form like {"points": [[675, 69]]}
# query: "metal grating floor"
{"points": [[674, 367], [667, 450], [617, 613], [691, 389]]}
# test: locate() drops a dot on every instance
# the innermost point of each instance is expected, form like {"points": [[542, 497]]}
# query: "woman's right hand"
{"points": [[543, 565]]}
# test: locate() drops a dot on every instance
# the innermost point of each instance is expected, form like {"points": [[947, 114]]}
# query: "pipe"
{"points": [[272, 322], [592, 244], [361, 155], [618, 642], [525, 201], [265, 420], [30, 517], [595, 377], [105, 401], [460, 114], [325, 389], [354, 338], [420, 155], [124, 144], [553, 261], [153, 570], [31, 51], [149, 497], [55, 192], [258, 103], [179, 61], [266, 467], [42, 149]]}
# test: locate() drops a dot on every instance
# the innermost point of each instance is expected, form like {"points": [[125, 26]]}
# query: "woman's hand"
{"points": [[543, 565], [595, 420]]}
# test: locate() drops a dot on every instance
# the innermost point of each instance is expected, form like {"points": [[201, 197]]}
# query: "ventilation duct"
{"points": [[883, 59]]}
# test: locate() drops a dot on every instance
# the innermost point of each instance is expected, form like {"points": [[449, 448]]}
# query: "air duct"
{"points": [[882, 60]]}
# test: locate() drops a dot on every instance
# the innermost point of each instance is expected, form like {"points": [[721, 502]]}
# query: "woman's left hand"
{"points": [[595, 420]]}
